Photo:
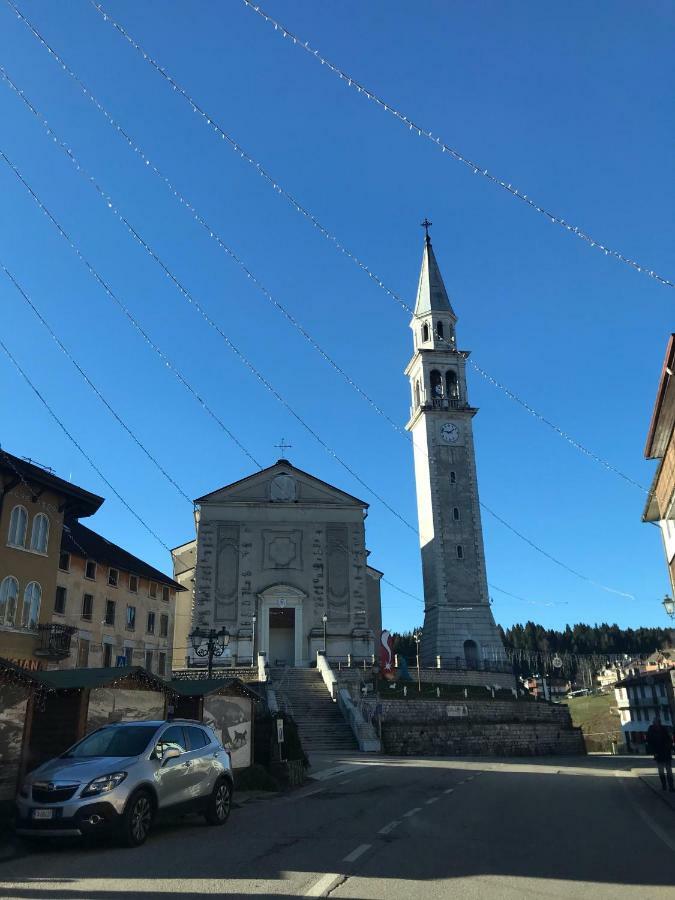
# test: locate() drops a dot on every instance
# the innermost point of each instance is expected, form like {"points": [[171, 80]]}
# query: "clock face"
{"points": [[450, 433]]}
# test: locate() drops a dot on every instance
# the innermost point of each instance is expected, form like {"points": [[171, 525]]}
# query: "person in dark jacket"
{"points": [[660, 745]]}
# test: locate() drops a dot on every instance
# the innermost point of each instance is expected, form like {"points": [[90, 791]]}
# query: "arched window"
{"points": [[18, 523], [471, 654], [425, 333], [40, 533], [436, 384], [460, 551], [31, 605], [451, 385], [417, 393], [9, 595], [453, 478], [455, 514], [439, 329]]}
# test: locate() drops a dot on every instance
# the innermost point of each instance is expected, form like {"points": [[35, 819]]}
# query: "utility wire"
{"points": [[476, 168], [126, 310], [81, 449], [325, 232], [84, 375]]}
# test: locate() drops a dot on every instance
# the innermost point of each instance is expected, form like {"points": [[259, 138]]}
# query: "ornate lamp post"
{"points": [[209, 643], [254, 619], [324, 619], [669, 606], [417, 637]]}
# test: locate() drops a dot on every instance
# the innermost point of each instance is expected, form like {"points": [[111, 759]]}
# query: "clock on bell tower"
{"points": [[458, 622]]}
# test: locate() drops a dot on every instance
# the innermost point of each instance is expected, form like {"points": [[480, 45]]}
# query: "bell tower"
{"points": [[458, 622]]}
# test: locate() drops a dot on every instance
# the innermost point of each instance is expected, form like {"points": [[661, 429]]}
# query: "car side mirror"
{"points": [[165, 755]]}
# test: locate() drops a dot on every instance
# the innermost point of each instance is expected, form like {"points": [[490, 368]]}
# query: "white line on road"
{"points": [[432, 800], [346, 781], [470, 778], [323, 884], [448, 791], [354, 855], [411, 812], [389, 827]]}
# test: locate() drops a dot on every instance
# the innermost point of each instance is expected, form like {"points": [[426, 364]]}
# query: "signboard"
{"points": [[456, 709], [387, 655], [231, 717], [280, 731]]}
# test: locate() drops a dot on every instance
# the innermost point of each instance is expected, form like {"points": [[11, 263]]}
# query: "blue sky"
{"points": [[567, 102]]}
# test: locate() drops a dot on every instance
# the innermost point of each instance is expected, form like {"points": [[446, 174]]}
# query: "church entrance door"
{"points": [[282, 636]]}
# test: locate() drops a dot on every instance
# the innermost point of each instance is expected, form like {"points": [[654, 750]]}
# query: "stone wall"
{"points": [[466, 738], [476, 728]]}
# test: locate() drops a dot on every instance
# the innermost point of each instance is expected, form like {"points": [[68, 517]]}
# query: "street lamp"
{"points": [[209, 643], [324, 619], [669, 606], [254, 619], [417, 637]]}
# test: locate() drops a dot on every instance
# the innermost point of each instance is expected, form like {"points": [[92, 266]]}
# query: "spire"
{"points": [[431, 293]]}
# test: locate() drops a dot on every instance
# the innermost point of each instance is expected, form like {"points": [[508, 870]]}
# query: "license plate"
{"points": [[43, 813]]}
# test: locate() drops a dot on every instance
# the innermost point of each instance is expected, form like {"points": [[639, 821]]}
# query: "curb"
{"points": [[662, 795]]}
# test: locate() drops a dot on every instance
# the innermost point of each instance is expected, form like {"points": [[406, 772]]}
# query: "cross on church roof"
{"points": [[283, 446], [426, 225]]}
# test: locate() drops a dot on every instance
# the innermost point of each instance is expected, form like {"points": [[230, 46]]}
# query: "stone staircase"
{"points": [[303, 695]]}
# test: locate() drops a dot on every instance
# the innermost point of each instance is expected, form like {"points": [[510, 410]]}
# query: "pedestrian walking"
{"points": [[660, 745]]}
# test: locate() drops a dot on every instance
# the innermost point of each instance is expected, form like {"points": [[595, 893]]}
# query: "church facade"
{"points": [[458, 622], [280, 561]]}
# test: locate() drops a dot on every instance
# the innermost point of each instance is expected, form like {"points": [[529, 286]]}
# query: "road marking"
{"points": [[346, 781], [411, 812], [470, 778], [354, 855], [389, 827], [654, 826], [323, 884], [448, 790], [432, 800]]}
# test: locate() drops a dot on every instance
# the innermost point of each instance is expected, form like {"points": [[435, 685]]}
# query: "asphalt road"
{"points": [[395, 828]]}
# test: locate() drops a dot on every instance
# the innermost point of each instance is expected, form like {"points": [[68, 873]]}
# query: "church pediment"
{"points": [[282, 483]]}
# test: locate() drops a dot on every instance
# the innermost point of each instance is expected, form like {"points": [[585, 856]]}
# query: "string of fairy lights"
{"points": [[292, 319], [279, 189], [111, 205], [421, 131]]}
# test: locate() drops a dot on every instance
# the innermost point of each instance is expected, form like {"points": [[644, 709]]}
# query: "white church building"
{"points": [[280, 557], [280, 561]]}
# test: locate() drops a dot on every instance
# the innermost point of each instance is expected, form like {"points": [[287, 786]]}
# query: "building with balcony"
{"points": [[638, 697], [121, 610], [660, 508], [35, 507]]}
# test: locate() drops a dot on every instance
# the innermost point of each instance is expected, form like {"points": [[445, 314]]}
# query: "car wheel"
{"points": [[220, 801], [137, 819]]}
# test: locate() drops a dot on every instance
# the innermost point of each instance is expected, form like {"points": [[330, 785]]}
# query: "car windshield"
{"points": [[120, 740]]}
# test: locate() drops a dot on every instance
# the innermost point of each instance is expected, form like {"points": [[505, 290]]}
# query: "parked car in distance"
{"points": [[118, 778]]}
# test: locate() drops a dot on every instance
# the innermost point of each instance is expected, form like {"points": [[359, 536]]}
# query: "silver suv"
{"points": [[119, 777]]}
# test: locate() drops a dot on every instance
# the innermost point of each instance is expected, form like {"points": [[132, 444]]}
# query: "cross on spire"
{"points": [[283, 446], [426, 225]]}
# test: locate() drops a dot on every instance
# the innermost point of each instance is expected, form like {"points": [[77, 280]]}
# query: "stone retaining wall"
{"points": [[419, 711], [466, 738], [476, 728]]}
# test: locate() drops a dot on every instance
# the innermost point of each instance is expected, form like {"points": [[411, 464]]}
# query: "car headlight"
{"points": [[104, 784]]}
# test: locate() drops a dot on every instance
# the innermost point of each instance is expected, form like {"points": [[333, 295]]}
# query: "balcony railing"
{"points": [[54, 640]]}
